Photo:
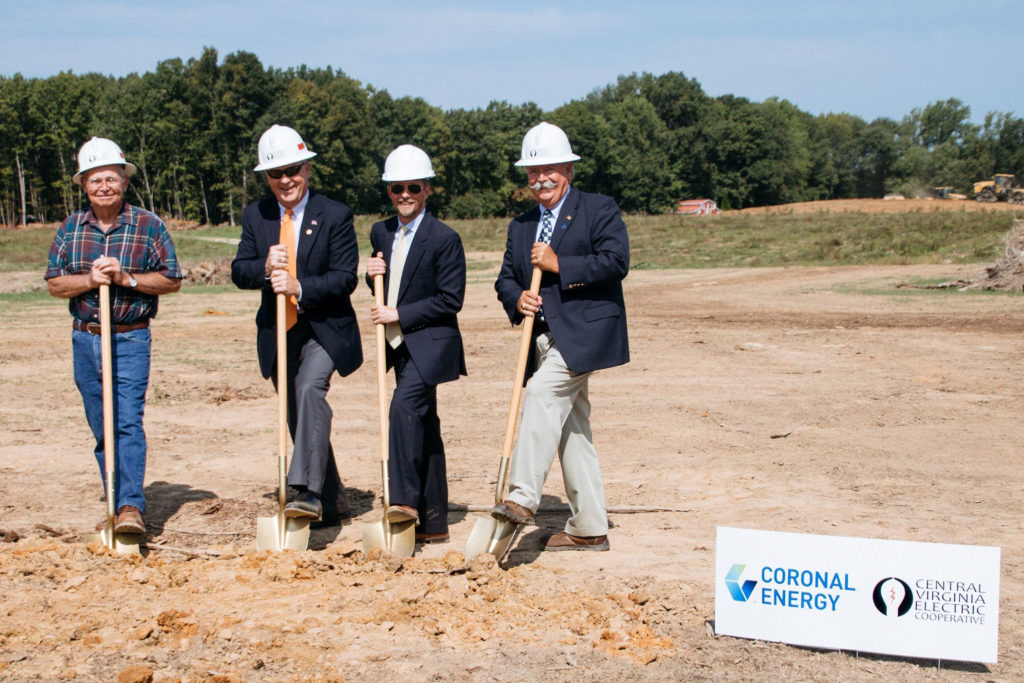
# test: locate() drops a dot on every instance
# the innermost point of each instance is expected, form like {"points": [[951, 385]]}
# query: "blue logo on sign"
{"points": [[732, 581]]}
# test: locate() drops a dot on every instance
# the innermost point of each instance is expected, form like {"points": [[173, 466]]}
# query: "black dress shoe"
{"points": [[432, 538], [329, 518], [305, 506]]}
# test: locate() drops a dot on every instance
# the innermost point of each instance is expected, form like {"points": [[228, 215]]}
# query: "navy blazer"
{"points": [[583, 302], [429, 297], [326, 265]]}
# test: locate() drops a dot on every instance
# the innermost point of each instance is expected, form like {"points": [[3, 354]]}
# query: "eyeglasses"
{"points": [[399, 188], [291, 171], [97, 183]]}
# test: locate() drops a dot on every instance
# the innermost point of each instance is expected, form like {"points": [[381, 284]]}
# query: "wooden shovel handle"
{"points": [[382, 399], [517, 391], [107, 363], [282, 401]]}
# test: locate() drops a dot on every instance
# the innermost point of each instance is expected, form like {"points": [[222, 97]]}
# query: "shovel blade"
{"points": [[480, 537], [374, 536], [122, 544], [490, 535], [402, 537], [282, 533]]}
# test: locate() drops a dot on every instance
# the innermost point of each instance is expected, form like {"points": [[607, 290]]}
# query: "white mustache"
{"points": [[547, 185]]}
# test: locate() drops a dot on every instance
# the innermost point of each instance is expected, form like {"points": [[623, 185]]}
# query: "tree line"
{"points": [[647, 140]]}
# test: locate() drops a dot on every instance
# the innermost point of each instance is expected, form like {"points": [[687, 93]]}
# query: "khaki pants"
{"points": [[556, 419]]}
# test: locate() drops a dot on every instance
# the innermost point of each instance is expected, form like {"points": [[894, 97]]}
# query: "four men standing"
{"points": [[300, 244]]}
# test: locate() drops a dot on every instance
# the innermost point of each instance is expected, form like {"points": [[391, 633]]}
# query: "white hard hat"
{"points": [[100, 152], [407, 162], [281, 146], [545, 144]]}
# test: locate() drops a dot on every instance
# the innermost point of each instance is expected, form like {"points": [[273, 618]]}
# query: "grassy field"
{"points": [[671, 241]]}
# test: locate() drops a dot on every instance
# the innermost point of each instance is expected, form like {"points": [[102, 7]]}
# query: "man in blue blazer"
{"points": [[302, 244], [579, 242], [424, 269]]}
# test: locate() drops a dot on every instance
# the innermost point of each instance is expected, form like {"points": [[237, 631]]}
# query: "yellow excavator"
{"points": [[1001, 187]]}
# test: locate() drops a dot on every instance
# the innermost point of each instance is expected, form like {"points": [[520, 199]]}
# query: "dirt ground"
{"points": [[882, 206], [815, 400]]}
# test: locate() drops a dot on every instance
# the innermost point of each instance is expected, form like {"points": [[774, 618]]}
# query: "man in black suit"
{"points": [[424, 269], [579, 242], [302, 244]]}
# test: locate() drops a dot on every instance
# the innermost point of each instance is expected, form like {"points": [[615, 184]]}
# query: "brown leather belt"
{"points": [[94, 328]]}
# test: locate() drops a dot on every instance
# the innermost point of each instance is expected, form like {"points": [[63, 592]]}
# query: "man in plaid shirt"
{"points": [[116, 244]]}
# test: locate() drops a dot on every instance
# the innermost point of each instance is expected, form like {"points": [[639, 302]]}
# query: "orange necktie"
{"points": [[287, 238]]}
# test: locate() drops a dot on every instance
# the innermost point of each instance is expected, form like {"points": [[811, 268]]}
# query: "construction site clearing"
{"points": [[825, 400]]}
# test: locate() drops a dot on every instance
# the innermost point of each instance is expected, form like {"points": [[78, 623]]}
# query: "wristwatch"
{"points": [[132, 282]]}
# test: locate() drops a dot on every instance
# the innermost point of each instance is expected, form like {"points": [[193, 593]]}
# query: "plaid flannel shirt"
{"points": [[140, 242]]}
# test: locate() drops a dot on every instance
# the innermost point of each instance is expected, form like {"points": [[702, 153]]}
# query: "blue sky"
{"points": [[868, 58]]}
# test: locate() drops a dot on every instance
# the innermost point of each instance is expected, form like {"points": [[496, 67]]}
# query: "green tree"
{"points": [[622, 152], [333, 117], [481, 177], [20, 128], [66, 106]]}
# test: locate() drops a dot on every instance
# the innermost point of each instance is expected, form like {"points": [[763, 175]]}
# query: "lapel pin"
{"points": [[313, 221], [309, 231]]}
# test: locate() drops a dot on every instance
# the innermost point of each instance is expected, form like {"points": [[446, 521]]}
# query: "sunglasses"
{"points": [[398, 188], [291, 171]]}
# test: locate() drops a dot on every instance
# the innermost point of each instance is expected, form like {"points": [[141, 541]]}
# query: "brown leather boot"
{"points": [[129, 521], [565, 541], [508, 511]]}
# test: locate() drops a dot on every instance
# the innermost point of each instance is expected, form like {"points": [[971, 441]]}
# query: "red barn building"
{"points": [[698, 207]]}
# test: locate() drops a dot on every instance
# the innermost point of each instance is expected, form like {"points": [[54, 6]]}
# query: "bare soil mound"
{"points": [[817, 400], [881, 206]]}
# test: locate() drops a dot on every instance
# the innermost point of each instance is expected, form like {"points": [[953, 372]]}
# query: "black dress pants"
{"points": [[416, 463]]}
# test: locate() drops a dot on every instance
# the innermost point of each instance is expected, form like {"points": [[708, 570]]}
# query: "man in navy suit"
{"points": [[424, 269], [579, 242], [316, 268]]}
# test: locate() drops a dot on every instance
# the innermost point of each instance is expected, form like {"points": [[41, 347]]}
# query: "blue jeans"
{"points": [[130, 355]]}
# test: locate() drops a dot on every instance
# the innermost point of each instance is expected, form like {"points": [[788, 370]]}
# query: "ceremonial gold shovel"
{"points": [[124, 544], [280, 532], [490, 535], [398, 537]]}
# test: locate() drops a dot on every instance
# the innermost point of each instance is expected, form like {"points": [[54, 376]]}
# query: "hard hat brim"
{"points": [[401, 178], [298, 158], [130, 169], [547, 161]]}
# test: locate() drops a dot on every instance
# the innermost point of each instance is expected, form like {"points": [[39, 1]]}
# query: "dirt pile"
{"points": [[1005, 274], [1008, 272], [78, 610], [879, 206], [215, 272], [814, 400]]}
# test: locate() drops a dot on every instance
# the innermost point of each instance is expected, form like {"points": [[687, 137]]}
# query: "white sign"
{"points": [[928, 600]]}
